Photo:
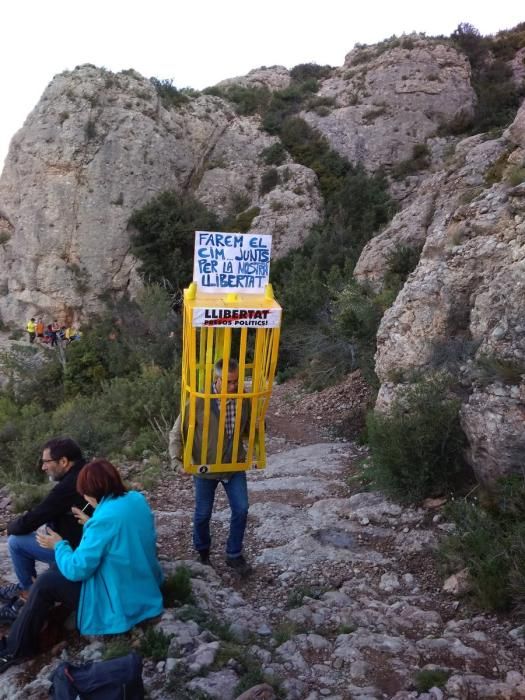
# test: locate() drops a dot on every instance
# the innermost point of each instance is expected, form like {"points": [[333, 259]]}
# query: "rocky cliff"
{"points": [[100, 145], [463, 308]]}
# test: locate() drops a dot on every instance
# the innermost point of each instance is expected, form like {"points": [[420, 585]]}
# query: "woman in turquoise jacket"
{"points": [[112, 579]]}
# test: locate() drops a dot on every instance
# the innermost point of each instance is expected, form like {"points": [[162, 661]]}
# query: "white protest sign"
{"points": [[237, 318], [231, 261]]}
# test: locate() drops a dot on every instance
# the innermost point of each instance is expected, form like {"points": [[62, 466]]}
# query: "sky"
{"points": [[197, 43]]}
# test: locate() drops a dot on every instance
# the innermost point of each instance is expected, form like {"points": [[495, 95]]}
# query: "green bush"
{"points": [[122, 413], [116, 647], [286, 630], [492, 368], [248, 100], [417, 447], [90, 129], [269, 180], [176, 589], [164, 241], [306, 71], [244, 220], [32, 376], [490, 541], [100, 356], [357, 312], [207, 620], [26, 495], [23, 431], [308, 280], [370, 116], [311, 149], [498, 96], [168, 93], [155, 644], [299, 286], [400, 263], [120, 380], [287, 103], [426, 679], [274, 154], [215, 91], [420, 160], [452, 352], [507, 42], [495, 172], [17, 334], [517, 176], [297, 595]]}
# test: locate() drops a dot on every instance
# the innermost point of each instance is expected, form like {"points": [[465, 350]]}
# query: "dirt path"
{"points": [[345, 601]]}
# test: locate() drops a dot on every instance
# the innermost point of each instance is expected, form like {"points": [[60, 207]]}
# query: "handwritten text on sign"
{"points": [[225, 261], [237, 318]]}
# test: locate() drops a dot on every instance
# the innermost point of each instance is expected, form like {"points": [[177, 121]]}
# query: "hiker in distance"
{"points": [[62, 461], [205, 485], [31, 330]]}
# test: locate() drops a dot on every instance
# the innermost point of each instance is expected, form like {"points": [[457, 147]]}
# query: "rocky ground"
{"points": [[345, 601]]}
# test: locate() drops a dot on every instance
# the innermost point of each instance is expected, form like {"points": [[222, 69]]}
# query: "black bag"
{"points": [[116, 679]]}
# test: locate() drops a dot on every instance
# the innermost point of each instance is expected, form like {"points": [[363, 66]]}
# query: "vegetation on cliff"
{"points": [[115, 394]]}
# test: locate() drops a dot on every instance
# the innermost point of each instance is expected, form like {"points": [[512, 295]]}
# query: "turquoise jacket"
{"points": [[116, 561]]}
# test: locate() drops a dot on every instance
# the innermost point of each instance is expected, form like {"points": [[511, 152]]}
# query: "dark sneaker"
{"points": [[9, 591], [240, 566], [9, 612], [204, 557], [6, 661]]}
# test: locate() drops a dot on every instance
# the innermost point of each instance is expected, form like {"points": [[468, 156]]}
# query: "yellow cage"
{"points": [[244, 327]]}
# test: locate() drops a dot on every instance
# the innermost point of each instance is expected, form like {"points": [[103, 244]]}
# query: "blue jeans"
{"points": [[24, 551], [237, 493]]}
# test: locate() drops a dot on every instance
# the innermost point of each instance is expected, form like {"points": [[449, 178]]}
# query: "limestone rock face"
{"points": [[100, 145], [289, 210], [273, 78], [97, 147], [467, 291], [493, 420], [387, 101]]}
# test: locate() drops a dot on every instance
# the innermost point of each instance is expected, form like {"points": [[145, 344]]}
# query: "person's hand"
{"points": [[178, 467], [80, 515], [47, 539]]}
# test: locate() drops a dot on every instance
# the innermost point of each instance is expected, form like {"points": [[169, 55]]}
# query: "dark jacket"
{"points": [[55, 510]]}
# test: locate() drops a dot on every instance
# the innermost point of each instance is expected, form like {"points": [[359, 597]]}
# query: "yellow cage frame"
{"points": [[202, 347]]}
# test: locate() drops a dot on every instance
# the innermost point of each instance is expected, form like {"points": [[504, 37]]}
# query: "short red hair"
{"points": [[98, 479]]}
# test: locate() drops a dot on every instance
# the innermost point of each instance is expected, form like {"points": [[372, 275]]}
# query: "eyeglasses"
{"points": [[44, 461]]}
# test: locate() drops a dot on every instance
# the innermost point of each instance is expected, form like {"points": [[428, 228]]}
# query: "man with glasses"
{"points": [[61, 461], [205, 484]]}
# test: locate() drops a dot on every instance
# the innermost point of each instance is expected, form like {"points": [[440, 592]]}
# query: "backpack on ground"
{"points": [[115, 679]]}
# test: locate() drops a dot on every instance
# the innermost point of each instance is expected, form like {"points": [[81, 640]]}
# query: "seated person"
{"points": [[113, 577], [62, 461]]}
